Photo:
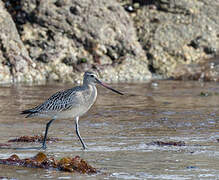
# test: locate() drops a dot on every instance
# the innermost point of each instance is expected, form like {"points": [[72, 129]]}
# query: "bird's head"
{"points": [[92, 78]]}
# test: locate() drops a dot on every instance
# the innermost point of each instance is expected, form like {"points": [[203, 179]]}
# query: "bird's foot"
{"points": [[85, 147], [43, 147]]}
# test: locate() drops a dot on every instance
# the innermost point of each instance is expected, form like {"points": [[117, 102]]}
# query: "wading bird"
{"points": [[70, 103]]}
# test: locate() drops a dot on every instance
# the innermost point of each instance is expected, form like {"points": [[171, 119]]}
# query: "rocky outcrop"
{"points": [[174, 33], [15, 63], [123, 40], [64, 37], [207, 70]]}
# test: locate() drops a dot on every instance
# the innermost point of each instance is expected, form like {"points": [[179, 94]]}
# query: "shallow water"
{"points": [[119, 129]]}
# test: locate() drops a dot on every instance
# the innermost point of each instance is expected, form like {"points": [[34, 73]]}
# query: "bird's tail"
{"points": [[29, 112]]}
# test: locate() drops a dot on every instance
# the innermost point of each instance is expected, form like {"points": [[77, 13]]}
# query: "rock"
{"points": [[206, 70], [177, 33], [59, 33], [59, 39], [15, 63]]}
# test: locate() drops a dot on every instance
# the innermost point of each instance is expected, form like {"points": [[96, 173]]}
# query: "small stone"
{"points": [[154, 84], [136, 5], [129, 8]]}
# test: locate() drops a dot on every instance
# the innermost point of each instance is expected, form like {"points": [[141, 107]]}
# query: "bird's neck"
{"points": [[91, 90], [87, 84]]}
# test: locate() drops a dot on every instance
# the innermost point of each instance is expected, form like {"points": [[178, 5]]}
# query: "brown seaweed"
{"points": [[36, 138], [68, 164], [4, 145], [169, 143]]}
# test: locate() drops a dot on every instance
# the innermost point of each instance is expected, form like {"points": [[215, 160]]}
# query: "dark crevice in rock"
{"points": [[143, 2], [43, 58], [195, 43], [116, 53], [50, 35], [7, 58], [59, 3], [18, 15], [74, 10], [68, 60], [210, 50], [150, 64], [151, 68], [166, 6]]}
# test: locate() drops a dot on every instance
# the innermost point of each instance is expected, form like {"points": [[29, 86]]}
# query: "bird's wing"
{"points": [[59, 101]]}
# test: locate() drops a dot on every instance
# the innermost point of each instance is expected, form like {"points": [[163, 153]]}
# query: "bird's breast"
{"points": [[84, 100], [89, 97]]}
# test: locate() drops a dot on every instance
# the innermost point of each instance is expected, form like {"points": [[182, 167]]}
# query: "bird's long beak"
{"points": [[104, 85]]}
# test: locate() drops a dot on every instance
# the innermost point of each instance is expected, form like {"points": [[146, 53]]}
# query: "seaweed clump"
{"points": [[36, 138], [169, 143], [4, 145], [67, 164]]}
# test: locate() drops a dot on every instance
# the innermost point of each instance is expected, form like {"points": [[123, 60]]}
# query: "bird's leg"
{"points": [[46, 132], [78, 133]]}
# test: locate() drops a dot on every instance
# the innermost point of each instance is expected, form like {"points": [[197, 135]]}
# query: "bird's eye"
{"points": [[91, 75]]}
